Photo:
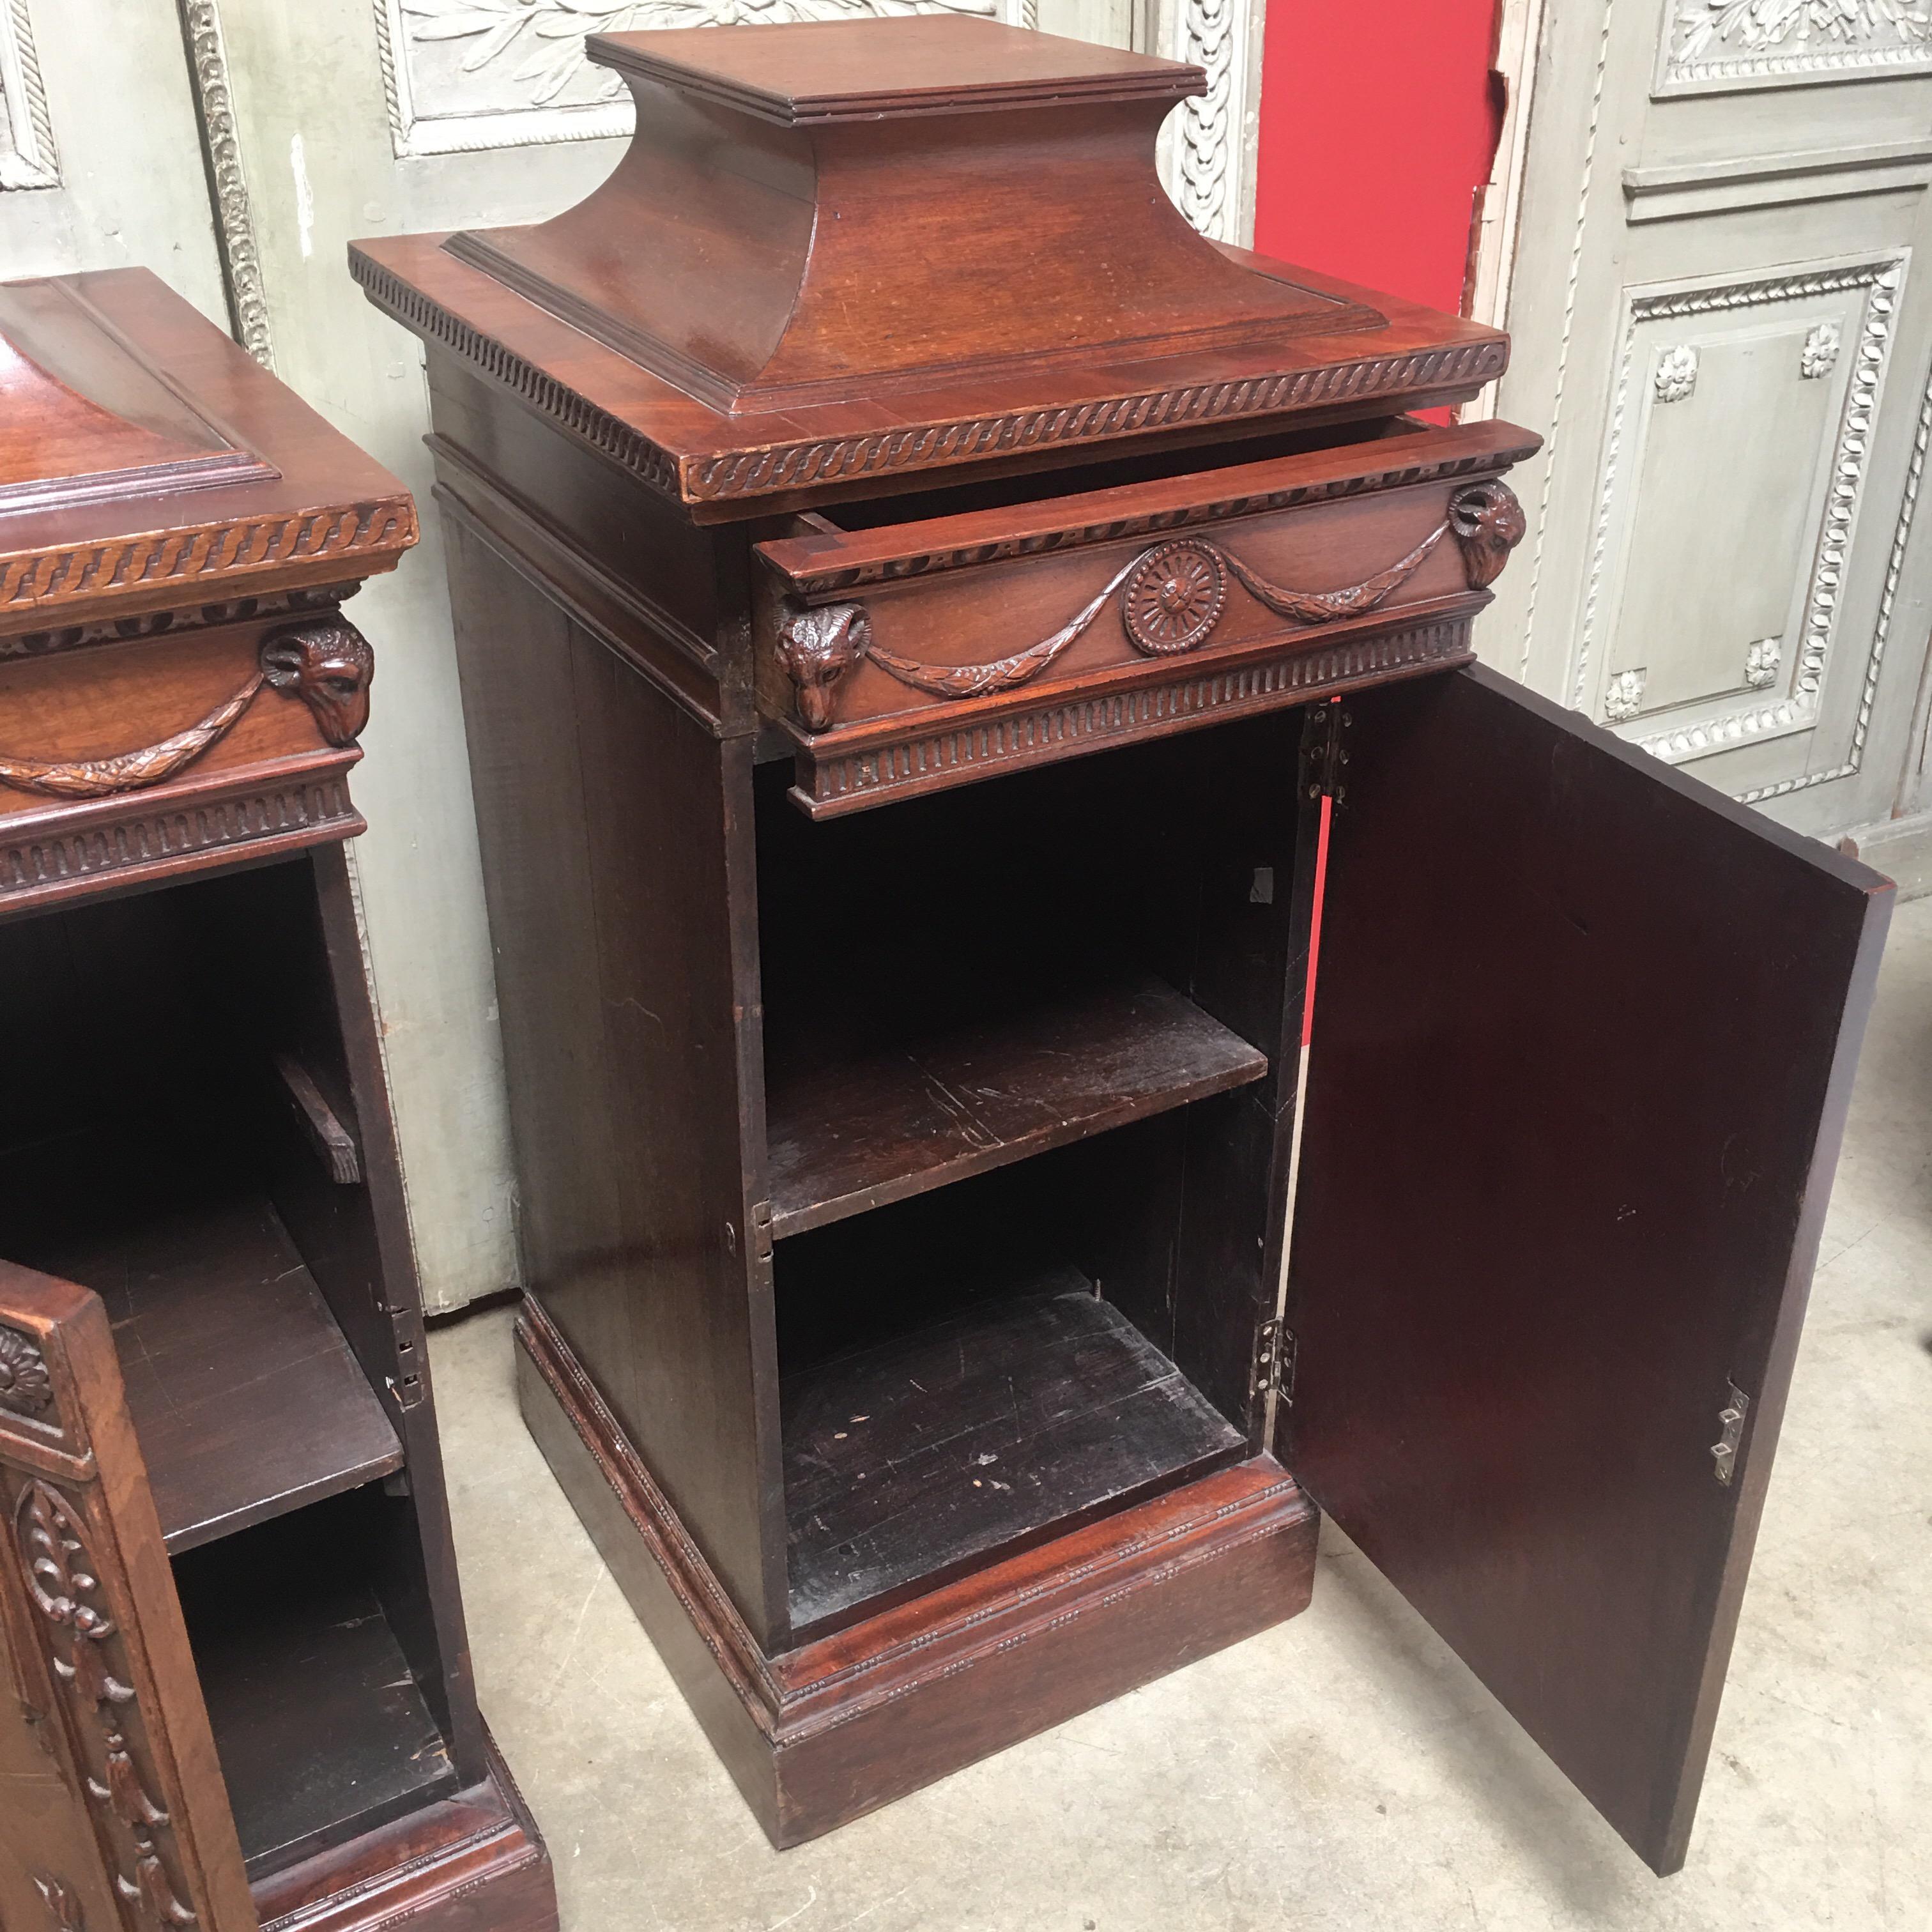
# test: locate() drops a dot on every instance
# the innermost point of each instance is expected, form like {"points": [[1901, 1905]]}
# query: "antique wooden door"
{"points": [[1722, 312], [116, 1814], [1584, 1033]]}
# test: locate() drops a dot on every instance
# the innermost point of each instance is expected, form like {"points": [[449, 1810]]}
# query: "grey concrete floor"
{"points": [[1343, 1770]]}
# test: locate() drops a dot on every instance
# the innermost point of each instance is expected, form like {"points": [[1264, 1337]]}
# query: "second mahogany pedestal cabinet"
{"points": [[234, 1687], [943, 647]]}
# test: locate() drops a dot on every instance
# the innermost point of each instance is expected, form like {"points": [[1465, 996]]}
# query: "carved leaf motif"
{"points": [[63, 1908], [130, 771], [1755, 26], [1623, 699], [1676, 374], [25, 1387], [1819, 356]]}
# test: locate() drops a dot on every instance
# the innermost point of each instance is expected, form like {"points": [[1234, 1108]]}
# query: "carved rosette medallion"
{"points": [[1819, 356], [1488, 523], [1623, 698], [1174, 597], [25, 1387], [1761, 663], [1675, 375], [817, 648]]}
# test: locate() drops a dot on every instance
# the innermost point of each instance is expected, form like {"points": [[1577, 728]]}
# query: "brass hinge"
{"points": [[1724, 1451], [1272, 1372], [1325, 751]]}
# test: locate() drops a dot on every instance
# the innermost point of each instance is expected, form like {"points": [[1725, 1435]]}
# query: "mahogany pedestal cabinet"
{"points": [[943, 645], [234, 1684]]}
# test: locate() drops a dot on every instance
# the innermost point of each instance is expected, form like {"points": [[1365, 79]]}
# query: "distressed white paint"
{"points": [[304, 197]]}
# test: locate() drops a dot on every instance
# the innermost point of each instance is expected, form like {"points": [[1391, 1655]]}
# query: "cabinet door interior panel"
{"points": [[1523, 1324]]}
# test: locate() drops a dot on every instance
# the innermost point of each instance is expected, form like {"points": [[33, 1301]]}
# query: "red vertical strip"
{"points": [[1315, 919]]}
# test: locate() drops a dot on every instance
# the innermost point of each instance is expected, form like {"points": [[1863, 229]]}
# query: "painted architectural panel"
{"points": [[1710, 46]]}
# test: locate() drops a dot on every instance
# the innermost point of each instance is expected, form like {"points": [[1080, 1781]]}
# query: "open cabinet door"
{"points": [[115, 1813], [1584, 1034]]}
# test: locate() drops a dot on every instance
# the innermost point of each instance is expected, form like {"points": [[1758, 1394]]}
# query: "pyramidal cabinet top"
{"points": [[839, 251]]}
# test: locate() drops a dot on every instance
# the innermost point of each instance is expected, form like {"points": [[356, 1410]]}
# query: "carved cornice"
{"points": [[46, 580], [784, 468], [925, 758], [235, 220], [836, 578]]}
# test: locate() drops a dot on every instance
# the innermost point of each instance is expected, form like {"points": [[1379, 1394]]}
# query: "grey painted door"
{"points": [[86, 184], [1722, 310]]}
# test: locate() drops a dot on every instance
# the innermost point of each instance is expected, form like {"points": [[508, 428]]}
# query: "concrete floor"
{"points": [[1343, 1770]]}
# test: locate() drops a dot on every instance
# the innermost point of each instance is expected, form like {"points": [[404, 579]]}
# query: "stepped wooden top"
{"points": [[147, 464], [839, 251]]}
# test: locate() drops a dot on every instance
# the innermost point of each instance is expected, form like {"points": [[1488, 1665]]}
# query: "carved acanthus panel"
{"points": [[1712, 46], [28, 157], [1735, 466], [464, 75]]}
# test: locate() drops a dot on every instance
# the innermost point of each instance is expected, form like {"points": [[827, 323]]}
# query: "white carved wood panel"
{"points": [[1707, 46], [1723, 312], [466, 74]]}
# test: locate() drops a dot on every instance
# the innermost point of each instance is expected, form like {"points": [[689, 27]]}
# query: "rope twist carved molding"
{"points": [[1171, 598], [329, 666], [28, 157], [241, 257]]}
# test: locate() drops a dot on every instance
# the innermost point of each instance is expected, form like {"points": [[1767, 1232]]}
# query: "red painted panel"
{"points": [[1377, 128]]}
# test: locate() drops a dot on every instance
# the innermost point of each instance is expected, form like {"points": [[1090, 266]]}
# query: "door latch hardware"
{"points": [[1324, 751], [1274, 1370], [1724, 1451], [761, 1230]]}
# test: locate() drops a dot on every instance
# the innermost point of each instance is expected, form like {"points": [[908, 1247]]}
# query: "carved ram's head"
{"points": [[328, 664], [817, 647]]}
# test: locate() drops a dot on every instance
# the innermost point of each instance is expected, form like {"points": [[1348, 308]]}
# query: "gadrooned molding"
{"points": [[1882, 279], [1712, 46], [214, 103], [28, 158]]}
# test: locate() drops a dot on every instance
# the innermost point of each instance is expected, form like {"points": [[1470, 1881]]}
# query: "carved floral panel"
{"points": [[1710, 46], [464, 75]]}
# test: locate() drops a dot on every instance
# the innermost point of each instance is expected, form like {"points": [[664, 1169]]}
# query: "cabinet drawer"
{"points": [[902, 656], [137, 749]]}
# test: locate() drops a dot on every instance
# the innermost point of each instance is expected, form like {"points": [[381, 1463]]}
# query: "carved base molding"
{"points": [[821, 1735], [835, 778], [474, 1860], [67, 853]]}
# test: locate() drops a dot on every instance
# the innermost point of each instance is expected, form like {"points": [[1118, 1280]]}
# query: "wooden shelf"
{"points": [[323, 1731], [856, 1133], [244, 1396], [912, 1460]]}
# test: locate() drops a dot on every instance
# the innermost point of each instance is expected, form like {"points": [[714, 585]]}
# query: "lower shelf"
{"points": [[323, 1731], [910, 1460]]}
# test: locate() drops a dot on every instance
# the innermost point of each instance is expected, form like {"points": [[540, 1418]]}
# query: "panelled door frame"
{"points": [[1700, 161]]}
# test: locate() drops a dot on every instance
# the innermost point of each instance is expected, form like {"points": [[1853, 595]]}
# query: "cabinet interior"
{"points": [[1023, 1111], [154, 1149]]}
